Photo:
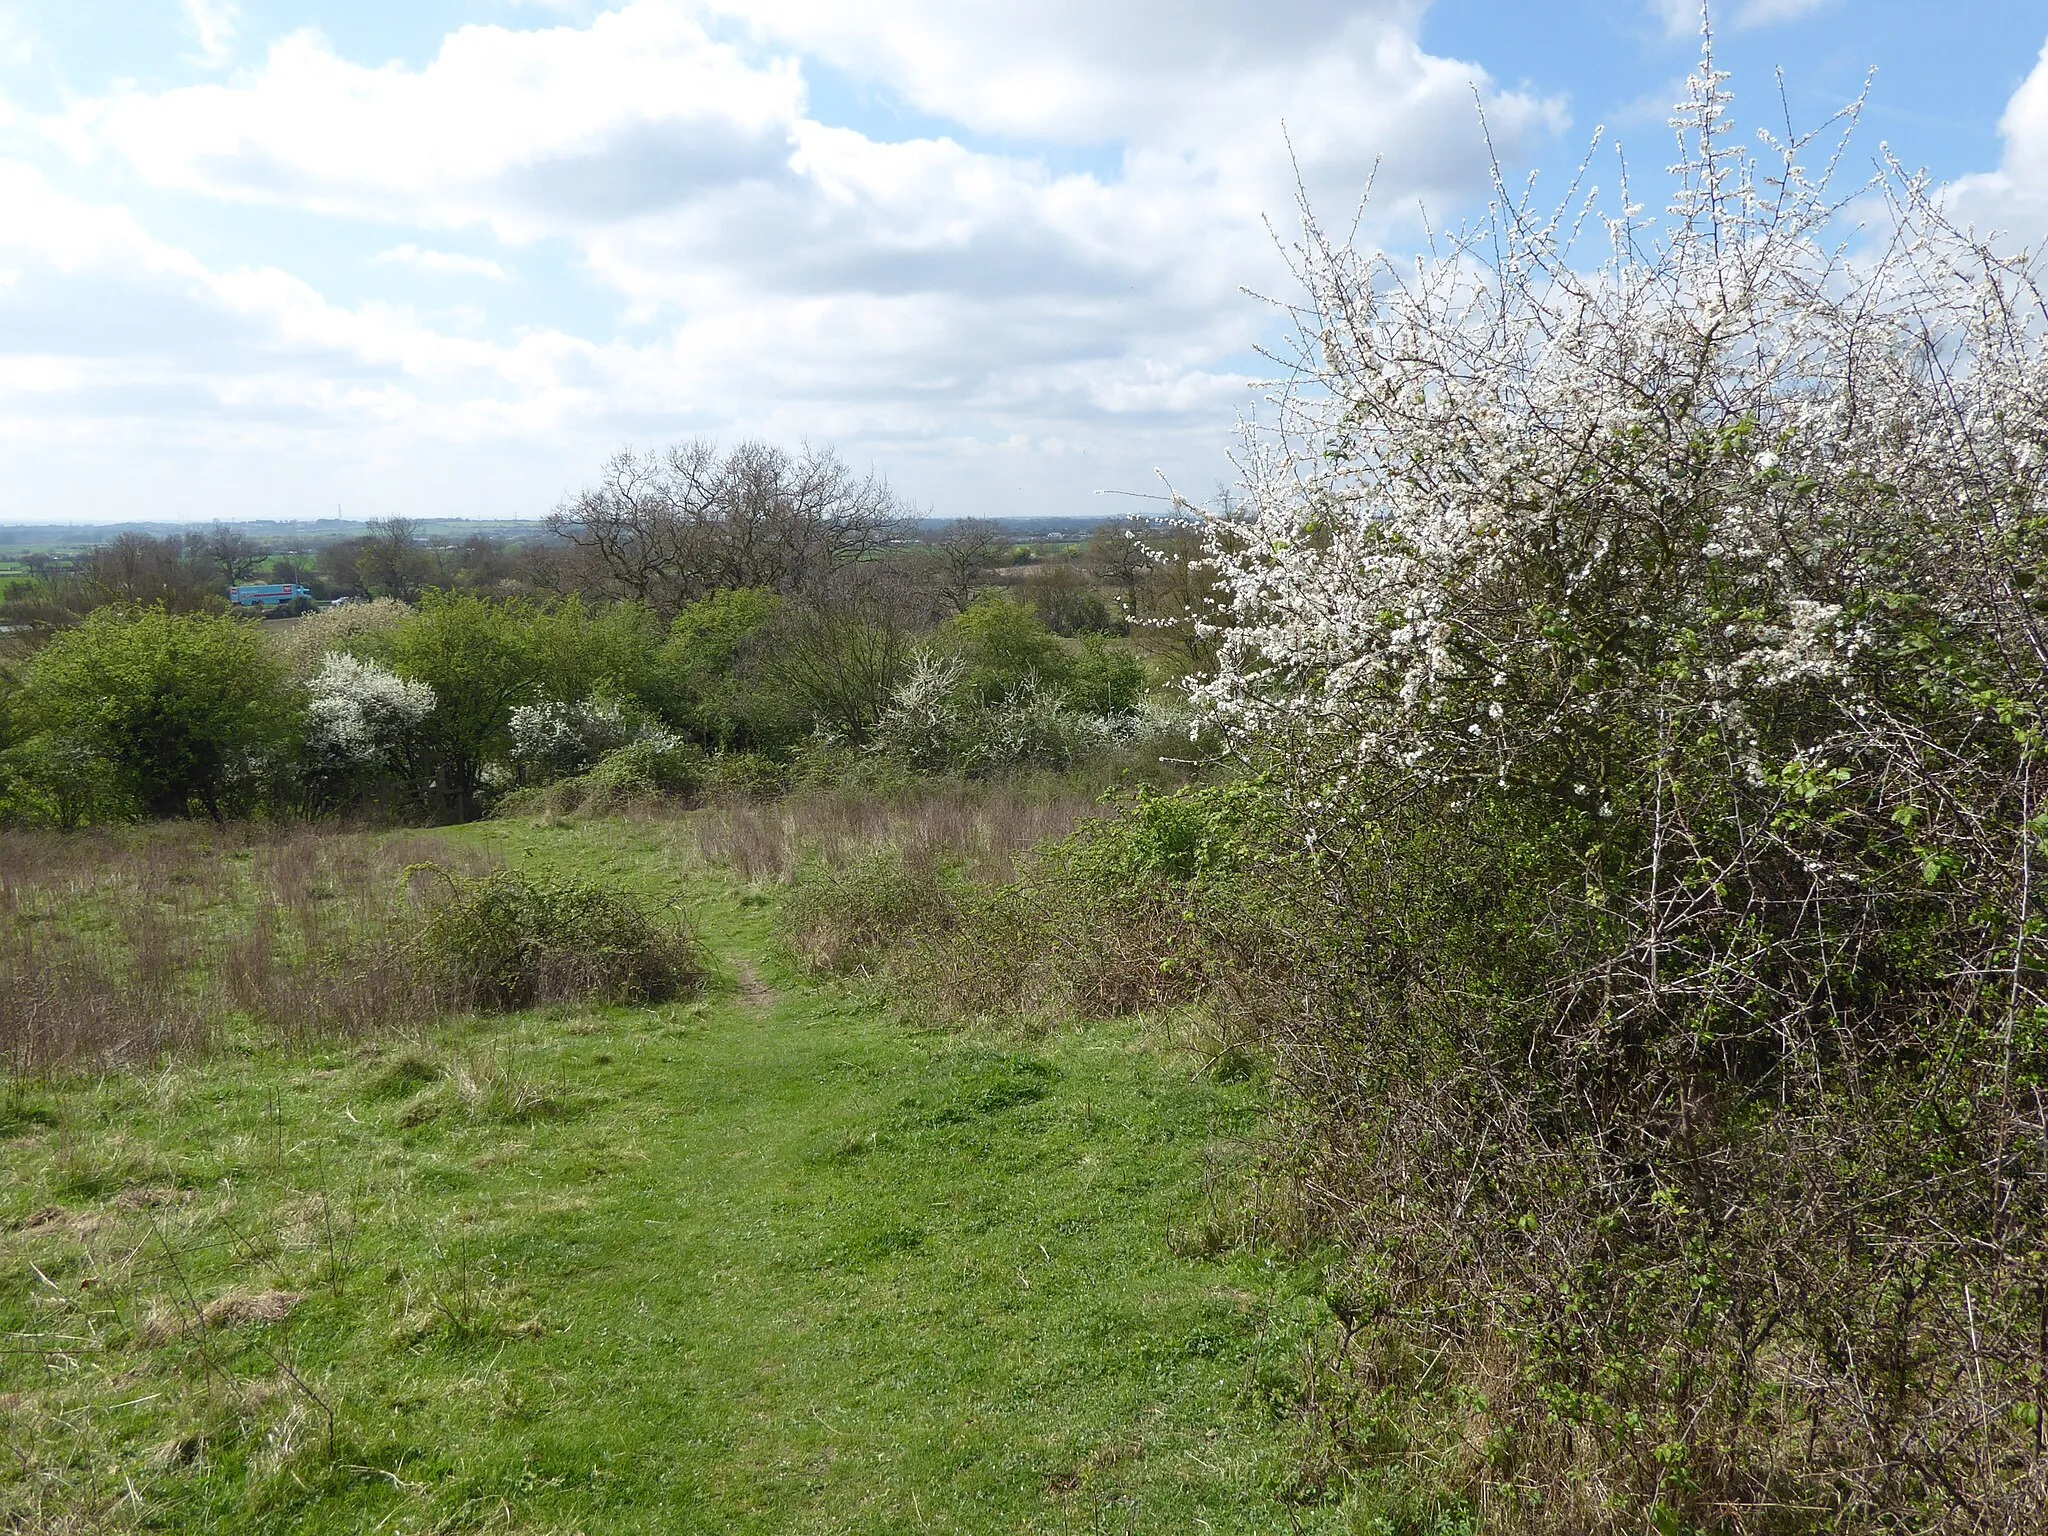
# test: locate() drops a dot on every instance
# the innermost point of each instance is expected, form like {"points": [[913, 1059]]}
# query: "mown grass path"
{"points": [[768, 1260]]}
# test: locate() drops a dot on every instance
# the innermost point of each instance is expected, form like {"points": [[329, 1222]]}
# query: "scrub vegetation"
{"points": [[1489, 983]]}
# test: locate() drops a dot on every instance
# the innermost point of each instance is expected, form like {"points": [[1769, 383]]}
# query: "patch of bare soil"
{"points": [[755, 992]]}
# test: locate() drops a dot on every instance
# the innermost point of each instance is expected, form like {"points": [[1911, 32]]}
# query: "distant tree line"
{"points": [[192, 572], [744, 610]]}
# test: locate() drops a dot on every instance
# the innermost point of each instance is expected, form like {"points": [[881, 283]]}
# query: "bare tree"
{"points": [[964, 554], [1120, 557], [668, 527], [842, 651], [233, 552], [626, 532], [137, 569], [392, 563]]}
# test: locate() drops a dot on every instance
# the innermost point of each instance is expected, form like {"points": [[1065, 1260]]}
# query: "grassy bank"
{"points": [[767, 1259]]}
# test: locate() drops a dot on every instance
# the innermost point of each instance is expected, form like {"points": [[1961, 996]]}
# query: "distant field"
{"points": [[75, 538], [1050, 535], [767, 1260]]}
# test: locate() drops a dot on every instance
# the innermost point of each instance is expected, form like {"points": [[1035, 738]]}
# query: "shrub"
{"points": [[1034, 727], [713, 682], [928, 726], [509, 940], [553, 740], [1154, 907], [1104, 679], [581, 651], [744, 773], [475, 656], [174, 712], [362, 722], [655, 766], [840, 919], [1650, 658], [1066, 602], [355, 629], [655, 763], [57, 781], [937, 723], [1002, 646]]}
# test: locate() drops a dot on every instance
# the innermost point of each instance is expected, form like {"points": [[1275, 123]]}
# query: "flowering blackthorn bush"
{"points": [[361, 713], [1648, 649], [552, 739]]}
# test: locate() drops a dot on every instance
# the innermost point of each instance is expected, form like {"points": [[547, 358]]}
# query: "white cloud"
{"points": [[1681, 18], [18, 44], [2014, 198], [946, 307], [2024, 127], [214, 24], [510, 128], [410, 255], [143, 313], [136, 381], [1081, 70], [644, 131]]}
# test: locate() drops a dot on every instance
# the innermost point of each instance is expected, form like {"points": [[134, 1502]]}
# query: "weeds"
{"points": [[510, 940], [981, 831], [124, 947], [974, 903], [839, 919], [996, 931]]}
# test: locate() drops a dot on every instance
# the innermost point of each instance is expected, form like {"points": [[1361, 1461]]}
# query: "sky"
{"points": [[283, 258]]}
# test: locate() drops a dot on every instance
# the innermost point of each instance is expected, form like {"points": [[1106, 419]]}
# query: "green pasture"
{"points": [[764, 1260]]}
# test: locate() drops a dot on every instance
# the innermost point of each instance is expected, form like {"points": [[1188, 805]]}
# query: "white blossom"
{"points": [[360, 713], [561, 739], [1676, 476]]}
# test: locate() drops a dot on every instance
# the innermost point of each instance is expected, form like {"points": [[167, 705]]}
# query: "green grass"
{"points": [[768, 1260]]}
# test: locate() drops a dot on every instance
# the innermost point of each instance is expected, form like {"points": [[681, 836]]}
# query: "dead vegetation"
{"points": [[982, 831], [118, 947], [123, 948]]}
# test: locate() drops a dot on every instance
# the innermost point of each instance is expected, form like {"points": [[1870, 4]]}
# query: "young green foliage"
{"points": [[163, 713]]}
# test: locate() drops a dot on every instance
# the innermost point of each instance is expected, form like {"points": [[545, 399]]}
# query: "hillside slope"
{"points": [[765, 1260]]}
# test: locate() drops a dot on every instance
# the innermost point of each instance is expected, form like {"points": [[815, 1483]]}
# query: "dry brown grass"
{"points": [[964, 896], [983, 831], [122, 945]]}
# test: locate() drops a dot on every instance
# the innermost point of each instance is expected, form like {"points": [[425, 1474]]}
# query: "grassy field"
{"points": [[767, 1260]]}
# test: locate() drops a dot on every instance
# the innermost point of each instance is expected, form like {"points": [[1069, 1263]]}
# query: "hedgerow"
{"points": [[1648, 659]]}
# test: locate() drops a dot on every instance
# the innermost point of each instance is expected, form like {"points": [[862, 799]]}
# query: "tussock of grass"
{"points": [[509, 939]]}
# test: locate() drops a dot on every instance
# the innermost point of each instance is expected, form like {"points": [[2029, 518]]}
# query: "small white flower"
{"points": [[360, 712]]}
